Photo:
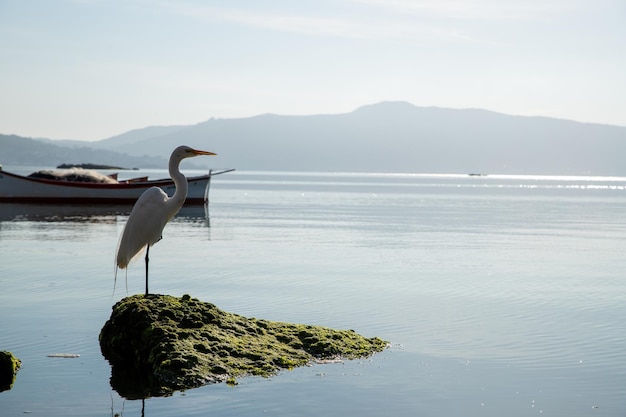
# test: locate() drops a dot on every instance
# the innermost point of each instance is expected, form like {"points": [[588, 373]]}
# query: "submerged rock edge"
{"points": [[171, 343]]}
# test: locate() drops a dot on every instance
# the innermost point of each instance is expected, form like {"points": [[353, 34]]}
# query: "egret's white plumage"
{"points": [[151, 213]]}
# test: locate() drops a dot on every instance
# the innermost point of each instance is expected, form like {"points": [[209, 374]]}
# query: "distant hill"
{"points": [[390, 137], [123, 141], [16, 150]]}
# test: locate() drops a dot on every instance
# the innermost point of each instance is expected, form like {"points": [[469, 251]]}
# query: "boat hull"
{"points": [[17, 188]]}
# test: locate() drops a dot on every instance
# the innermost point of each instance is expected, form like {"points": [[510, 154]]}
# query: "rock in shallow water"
{"points": [[158, 344], [9, 365]]}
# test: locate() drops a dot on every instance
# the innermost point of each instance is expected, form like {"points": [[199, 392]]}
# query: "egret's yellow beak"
{"points": [[197, 152]]}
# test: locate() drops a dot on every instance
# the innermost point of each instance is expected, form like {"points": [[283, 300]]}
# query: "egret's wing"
{"points": [[144, 226]]}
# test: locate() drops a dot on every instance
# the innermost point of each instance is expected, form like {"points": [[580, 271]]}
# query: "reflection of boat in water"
{"points": [[17, 188], [81, 213]]}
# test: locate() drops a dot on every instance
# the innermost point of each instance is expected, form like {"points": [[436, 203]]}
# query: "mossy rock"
{"points": [[158, 344], [9, 365]]}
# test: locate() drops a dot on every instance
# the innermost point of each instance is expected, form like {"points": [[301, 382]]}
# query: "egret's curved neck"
{"points": [[178, 199]]}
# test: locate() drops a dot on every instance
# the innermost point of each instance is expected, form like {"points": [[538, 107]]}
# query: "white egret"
{"points": [[151, 212]]}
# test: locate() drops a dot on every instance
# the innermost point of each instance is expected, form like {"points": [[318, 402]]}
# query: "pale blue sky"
{"points": [[91, 69]]}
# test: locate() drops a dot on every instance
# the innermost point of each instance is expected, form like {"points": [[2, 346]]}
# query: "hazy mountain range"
{"points": [[384, 137]]}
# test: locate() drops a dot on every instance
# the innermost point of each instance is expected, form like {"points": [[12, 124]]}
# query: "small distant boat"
{"points": [[35, 189], [477, 174]]}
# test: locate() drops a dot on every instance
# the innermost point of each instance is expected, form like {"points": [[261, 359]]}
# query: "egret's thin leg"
{"points": [[147, 250]]}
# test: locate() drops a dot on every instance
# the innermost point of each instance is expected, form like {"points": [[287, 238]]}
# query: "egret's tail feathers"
{"points": [[115, 280], [124, 258]]}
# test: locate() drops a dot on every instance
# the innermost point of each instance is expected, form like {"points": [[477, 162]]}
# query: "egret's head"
{"points": [[186, 152]]}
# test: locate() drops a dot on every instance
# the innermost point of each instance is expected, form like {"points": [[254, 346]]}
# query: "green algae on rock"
{"points": [[158, 344], [9, 365]]}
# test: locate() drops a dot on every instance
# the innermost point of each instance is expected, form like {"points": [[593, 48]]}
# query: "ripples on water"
{"points": [[502, 295]]}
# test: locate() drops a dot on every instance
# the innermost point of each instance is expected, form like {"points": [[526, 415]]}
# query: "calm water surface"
{"points": [[501, 295]]}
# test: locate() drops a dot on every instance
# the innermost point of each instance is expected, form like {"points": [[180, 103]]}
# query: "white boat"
{"points": [[18, 188]]}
